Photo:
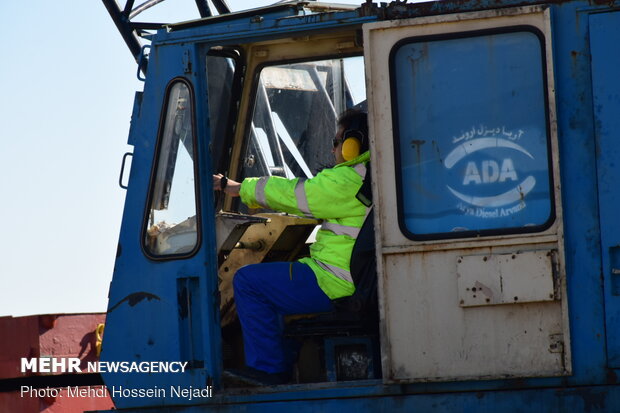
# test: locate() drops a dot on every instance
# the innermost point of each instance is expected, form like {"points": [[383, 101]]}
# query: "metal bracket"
{"points": [[143, 61], [187, 62]]}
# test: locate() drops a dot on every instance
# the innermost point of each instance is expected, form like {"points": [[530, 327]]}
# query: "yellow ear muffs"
{"points": [[351, 148]]}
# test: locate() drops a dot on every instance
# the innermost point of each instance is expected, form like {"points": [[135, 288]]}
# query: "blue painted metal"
{"points": [[579, 192], [248, 30], [605, 49], [144, 322], [602, 399], [147, 326]]}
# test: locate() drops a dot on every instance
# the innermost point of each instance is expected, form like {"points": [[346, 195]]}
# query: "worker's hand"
{"points": [[230, 187]]}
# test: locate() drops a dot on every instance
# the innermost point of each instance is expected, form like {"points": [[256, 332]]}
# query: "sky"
{"points": [[67, 82]]}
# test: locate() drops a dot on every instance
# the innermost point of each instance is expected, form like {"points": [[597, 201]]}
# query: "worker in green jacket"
{"points": [[265, 292]]}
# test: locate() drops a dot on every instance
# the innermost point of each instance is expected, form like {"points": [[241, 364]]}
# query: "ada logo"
{"points": [[486, 176]]}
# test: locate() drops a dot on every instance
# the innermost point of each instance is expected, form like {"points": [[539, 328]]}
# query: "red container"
{"points": [[51, 335]]}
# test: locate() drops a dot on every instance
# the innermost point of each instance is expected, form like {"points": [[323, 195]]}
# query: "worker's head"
{"points": [[351, 139]]}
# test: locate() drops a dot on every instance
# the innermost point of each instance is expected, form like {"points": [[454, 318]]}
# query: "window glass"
{"points": [[295, 113], [220, 75], [171, 227], [471, 135]]}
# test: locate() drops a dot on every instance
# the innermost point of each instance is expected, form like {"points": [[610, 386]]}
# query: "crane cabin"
{"points": [[492, 255]]}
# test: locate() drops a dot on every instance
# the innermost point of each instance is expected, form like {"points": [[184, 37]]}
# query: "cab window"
{"points": [[171, 228], [471, 134], [294, 116], [222, 77]]}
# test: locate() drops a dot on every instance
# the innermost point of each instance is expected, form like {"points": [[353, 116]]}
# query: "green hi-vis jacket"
{"points": [[329, 196]]}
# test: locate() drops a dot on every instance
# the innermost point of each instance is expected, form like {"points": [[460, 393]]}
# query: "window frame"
{"points": [[255, 80], [469, 234], [153, 174], [238, 55]]}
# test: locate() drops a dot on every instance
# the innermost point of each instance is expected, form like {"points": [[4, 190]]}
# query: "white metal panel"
{"points": [[427, 334], [433, 338], [519, 277]]}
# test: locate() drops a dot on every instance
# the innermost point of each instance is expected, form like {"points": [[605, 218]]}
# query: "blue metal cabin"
{"points": [[493, 134]]}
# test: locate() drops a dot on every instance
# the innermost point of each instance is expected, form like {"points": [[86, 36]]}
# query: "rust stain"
{"points": [[417, 145]]}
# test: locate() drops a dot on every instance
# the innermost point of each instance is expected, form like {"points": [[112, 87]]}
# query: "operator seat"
{"points": [[353, 326]]}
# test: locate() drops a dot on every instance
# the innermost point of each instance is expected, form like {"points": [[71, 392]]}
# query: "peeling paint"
{"points": [[134, 298]]}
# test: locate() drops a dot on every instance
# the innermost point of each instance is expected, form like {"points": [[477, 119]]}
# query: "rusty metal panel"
{"points": [[519, 277]]}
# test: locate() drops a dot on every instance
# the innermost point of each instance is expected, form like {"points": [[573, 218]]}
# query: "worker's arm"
{"points": [[329, 194], [232, 188]]}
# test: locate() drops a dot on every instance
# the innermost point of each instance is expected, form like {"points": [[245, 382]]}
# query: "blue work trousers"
{"points": [[264, 293]]}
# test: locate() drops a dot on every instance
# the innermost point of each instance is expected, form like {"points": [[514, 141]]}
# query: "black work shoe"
{"points": [[253, 377]]}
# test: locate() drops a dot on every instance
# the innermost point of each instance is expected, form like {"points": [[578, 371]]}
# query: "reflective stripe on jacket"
{"points": [[329, 196]]}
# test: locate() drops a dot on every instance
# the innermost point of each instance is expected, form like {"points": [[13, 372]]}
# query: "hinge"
{"points": [[187, 62]]}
